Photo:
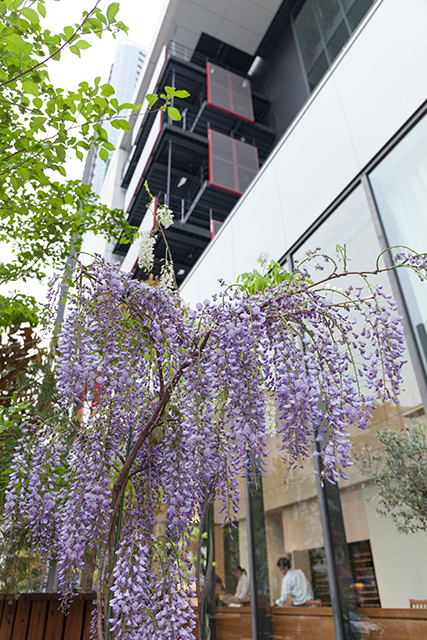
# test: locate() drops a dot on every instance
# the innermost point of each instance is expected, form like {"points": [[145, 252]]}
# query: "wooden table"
{"points": [[299, 623]]}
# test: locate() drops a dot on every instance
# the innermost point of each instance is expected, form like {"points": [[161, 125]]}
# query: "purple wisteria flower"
{"points": [[173, 408]]}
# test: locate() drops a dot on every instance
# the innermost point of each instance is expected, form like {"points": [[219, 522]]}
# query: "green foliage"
{"points": [[18, 309], [272, 275], [399, 471], [167, 97], [42, 215]]}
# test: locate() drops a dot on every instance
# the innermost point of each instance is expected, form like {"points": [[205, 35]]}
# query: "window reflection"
{"points": [[379, 581], [400, 188], [387, 568], [322, 27]]}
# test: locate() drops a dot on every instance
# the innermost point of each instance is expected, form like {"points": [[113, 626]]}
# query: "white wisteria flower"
{"points": [[263, 259], [164, 216], [146, 251], [167, 278]]}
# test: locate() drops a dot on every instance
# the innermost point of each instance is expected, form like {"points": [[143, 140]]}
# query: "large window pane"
{"points": [[400, 188], [308, 34], [329, 15], [355, 10], [388, 567], [322, 27]]}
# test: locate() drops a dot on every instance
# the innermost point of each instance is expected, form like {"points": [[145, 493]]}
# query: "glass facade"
{"points": [[322, 27], [400, 188], [123, 77], [376, 569]]}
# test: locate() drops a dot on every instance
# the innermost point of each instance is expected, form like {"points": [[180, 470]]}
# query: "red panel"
{"points": [[229, 92], [221, 162], [232, 163]]}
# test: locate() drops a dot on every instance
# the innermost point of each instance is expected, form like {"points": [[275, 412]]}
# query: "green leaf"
{"points": [[41, 9], [68, 32], [112, 11], [38, 103], [83, 44], [126, 105], [152, 99], [38, 123], [107, 90], [74, 49], [15, 43], [181, 94], [30, 87], [123, 124], [60, 152], [174, 114], [5, 425], [103, 154], [32, 15], [102, 134]]}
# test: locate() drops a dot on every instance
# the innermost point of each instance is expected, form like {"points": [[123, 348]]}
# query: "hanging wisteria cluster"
{"points": [[172, 407]]}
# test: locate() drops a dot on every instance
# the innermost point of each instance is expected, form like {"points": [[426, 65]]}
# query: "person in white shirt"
{"points": [[294, 584], [242, 590]]}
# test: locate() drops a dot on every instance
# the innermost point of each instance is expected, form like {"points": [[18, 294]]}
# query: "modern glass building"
{"points": [[124, 74], [306, 127]]}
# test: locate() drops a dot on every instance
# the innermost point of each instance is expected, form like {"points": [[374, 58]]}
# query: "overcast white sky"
{"points": [[141, 16]]}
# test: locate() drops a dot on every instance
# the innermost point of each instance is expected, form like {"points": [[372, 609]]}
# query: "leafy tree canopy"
{"points": [[399, 471], [41, 212]]}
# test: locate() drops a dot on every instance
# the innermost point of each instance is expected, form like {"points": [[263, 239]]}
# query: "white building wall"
{"points": [[374, 86]]}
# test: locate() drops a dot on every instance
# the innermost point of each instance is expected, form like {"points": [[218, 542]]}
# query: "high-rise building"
{"points": [[124, 74], [306, 127]]}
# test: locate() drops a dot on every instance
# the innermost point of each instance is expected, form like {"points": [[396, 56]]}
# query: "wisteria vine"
{"points": [[173, 405]]}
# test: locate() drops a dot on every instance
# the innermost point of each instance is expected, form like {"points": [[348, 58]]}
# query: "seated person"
{"points": [[242, 590], [294, 584]]}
